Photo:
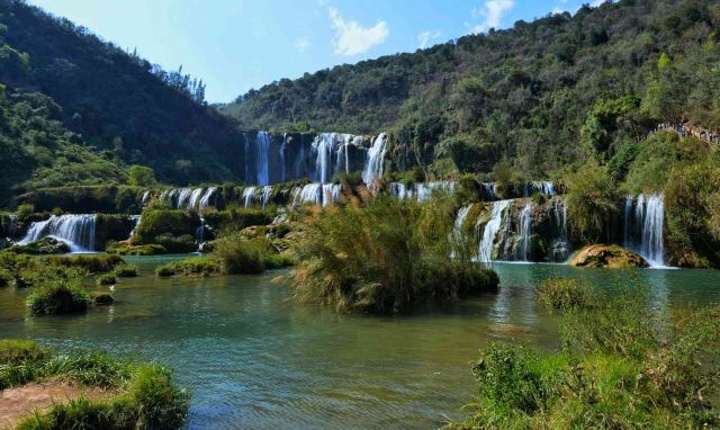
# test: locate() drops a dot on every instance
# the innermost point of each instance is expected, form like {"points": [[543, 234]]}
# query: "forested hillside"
{"points": [[113, 108], [541, 95]]}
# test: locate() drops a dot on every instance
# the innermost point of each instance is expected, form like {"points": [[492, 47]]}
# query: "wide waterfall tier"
{"points": [[191, 199], [518, 230], [77, 231], [643, 227], [270, 159], [421, 191]]}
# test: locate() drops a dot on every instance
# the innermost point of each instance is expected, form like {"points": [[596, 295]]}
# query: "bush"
{"points": [[592, 199], [106, 279], [58, 296], [619, 368], [94, 264], [172, 229], [203, 266], [237, 255], [126, 271], [386, 257], [566, 294], [20, 351], [122, 248]]}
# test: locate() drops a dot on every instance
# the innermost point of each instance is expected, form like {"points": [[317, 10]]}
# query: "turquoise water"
{"points": [[254, 360]]}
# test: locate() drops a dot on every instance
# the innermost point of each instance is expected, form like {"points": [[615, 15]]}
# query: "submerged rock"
{"points": [[607, 256], [102, 299]]}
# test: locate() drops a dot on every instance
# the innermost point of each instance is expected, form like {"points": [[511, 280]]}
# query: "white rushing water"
{"points": [[561, 245], [375, 159], [331, 155], [643, 228], [266, 194], [652, 245], [525, 224], [310, 193], [77, 231], [487, 246], [191, 199], [248, 195]]}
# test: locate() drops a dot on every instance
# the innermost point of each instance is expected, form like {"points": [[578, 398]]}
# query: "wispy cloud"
{"points": [[302, 44], [491, 14], [426, 37], [353, 39]]}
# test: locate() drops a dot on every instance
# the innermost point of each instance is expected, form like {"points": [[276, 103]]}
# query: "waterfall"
{"points": [[262, 144], [324, 147], [247, 195], [137, 219], [489, 188], [399, 191], [282, 157], [266, 194], [200, 233], [652, 246], [646, 237], [561, 246], [492, 228], [424, 191], [375, 159], [525, 223], [310, 193], [77, 231], [205, 200], [145, 197]]}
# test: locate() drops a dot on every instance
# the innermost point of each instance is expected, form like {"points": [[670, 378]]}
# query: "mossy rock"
{"points": [[44, 246], [607, 256], [102, 299], [123, 248]]}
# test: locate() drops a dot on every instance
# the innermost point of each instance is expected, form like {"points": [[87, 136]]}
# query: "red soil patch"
{"points": [[20, 402]]}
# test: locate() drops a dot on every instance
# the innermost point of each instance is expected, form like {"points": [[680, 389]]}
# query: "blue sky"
{"points": [[236, 45]]}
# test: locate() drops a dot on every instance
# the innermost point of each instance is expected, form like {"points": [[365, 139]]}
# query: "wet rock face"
{"points": [[607, 256]]}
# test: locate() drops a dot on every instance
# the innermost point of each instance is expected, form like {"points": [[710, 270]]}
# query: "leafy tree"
{"points": [[141, 176]]}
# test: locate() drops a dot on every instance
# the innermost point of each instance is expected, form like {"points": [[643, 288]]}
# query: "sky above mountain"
{"points": [[236, 45]]}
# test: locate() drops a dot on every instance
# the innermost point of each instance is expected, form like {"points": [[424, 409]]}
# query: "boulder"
{"points": [[102, 299], [607, 256], [45, 246]]}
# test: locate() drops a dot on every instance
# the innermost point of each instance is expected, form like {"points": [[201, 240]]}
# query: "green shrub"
{"points": [[94, 264], [25, 210], [163, 405], [237, 255], [619, 368], [58, 296], [170, 224], [203, 266], [164, 271], [122, 248], [13, 351], [126, 271], [106, 279], [386, 257], [592, 198], [566, 294]]}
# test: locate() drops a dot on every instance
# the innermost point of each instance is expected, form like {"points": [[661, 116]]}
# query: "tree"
{"points": [[141, 176]]}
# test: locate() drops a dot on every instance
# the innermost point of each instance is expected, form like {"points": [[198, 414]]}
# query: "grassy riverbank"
{"points": [[133, 395], [622, 366]]}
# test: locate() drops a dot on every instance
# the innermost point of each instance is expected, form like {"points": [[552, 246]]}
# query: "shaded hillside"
{"points": [[115, 101], [541, 95]]}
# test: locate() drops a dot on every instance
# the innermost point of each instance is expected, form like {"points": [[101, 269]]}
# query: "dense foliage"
{"points": [[543, 95], [386, 257], [621, 367], [76, 109]]}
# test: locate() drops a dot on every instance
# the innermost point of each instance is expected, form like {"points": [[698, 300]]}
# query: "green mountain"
{"points": [[541, 95], [70, 97]]}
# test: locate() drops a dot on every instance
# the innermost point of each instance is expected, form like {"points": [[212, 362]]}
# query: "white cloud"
{"points": [[302, 44], [426, 37], [491, 13], [353, 39]]}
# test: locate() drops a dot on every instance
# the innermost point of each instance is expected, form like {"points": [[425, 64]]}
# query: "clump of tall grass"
{"points": [[237, 254], [57, 295], [621, 367], [566, 294], [385, 257], [196, 266]]}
